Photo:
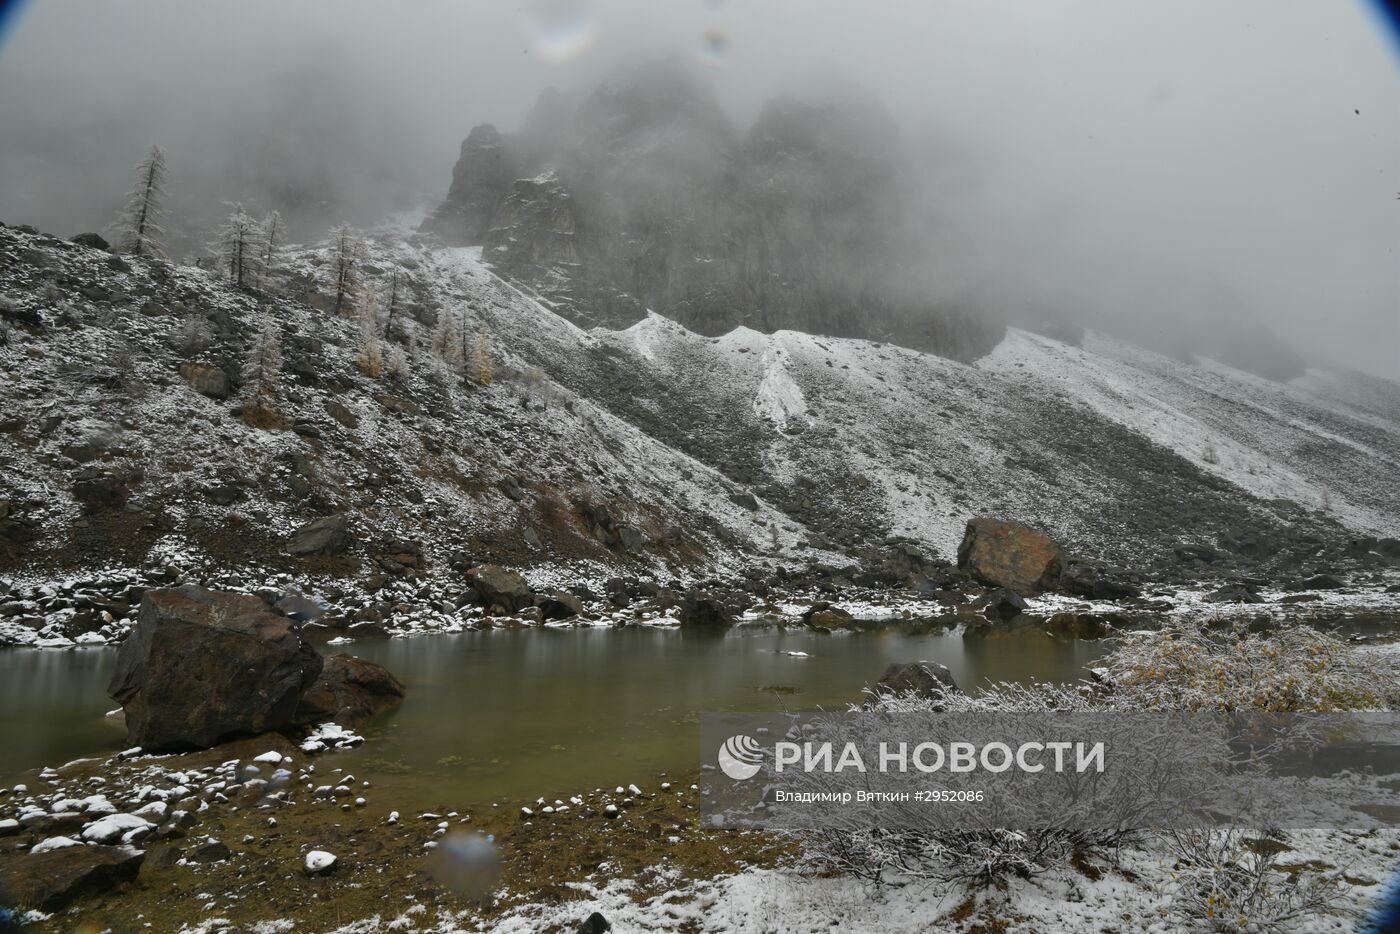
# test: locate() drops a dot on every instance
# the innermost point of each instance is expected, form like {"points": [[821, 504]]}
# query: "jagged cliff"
{"points": [[645, 196]]}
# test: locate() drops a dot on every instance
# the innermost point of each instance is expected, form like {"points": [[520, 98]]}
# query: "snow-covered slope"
{"points": [[1121, 452], [1326, 440], [588, 438], [522, 471]]}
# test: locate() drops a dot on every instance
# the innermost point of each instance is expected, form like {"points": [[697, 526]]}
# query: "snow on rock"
{"points": [[330, 736], [779, 399], [319, 861], [113, 826], [53, 843]]}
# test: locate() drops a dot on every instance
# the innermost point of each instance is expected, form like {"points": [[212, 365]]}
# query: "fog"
{"points": [[1098, 160]]}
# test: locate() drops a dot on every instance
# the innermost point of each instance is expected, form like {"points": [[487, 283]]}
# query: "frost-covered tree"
{"points": [[396, 362], [370, 359], [481, 360], [272, 236], [449, 339], [393, 301], [347, 253], [139, 231], [262, 373], [240, 247]]}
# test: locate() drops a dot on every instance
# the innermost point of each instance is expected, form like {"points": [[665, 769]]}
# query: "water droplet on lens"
{"points": [[714, 46], [561, 30], [466, 864]]}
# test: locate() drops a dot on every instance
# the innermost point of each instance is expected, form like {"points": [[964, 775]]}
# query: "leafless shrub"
{"points": [[1226, 881], [1188, 667], [192, 337]]}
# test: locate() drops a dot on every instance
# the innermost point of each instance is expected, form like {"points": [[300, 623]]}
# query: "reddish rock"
{"points": [[1005, 554]]}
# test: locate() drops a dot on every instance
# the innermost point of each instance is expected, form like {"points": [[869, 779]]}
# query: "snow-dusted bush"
{"points": [[1190, 667], [1225, 880], [881, 856], [1222, 883]]}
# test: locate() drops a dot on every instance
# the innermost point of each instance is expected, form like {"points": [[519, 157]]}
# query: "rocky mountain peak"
{"points": [[657, 202]]}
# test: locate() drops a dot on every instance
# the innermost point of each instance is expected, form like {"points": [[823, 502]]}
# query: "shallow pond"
{"points": [[521, 713]]}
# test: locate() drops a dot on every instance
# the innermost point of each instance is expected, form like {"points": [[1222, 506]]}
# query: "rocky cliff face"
{"points": [[485, 168], [646, 196]]}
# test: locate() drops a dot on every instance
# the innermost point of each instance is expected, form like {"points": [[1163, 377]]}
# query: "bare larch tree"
{"points": [[139, 231], [347, 251], [241, 247]]}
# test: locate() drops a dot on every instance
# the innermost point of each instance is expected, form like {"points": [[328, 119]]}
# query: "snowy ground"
{"points": [[1136, 894]]}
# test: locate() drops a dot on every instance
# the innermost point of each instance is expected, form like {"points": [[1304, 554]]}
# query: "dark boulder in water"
{"points": [[926, 679], [201, 667]]}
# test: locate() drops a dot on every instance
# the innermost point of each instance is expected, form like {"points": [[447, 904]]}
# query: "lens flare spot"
{"points": [[714, 46], [561, 30]]}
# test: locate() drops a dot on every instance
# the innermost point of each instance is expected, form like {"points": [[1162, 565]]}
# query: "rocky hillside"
{"points": [[126, 437], [645, 196]]}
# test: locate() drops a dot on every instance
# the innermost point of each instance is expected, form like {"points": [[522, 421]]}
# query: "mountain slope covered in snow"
{"points": [[651, 446]]}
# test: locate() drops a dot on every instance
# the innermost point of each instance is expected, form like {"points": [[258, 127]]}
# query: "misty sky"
{"points": [[1117, 157]]}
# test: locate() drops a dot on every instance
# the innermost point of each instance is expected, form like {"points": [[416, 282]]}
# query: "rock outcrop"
{"points": [[646, 196], [328, 535], [201, 667], [700, 609], [55, 878], [1006, 554], [485, 168]]}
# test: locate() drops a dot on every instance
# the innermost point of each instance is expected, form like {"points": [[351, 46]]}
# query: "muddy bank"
{"points": [[240, 852]]}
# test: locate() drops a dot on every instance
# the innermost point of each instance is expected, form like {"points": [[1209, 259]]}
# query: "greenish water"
{"points": [[528, 712]]}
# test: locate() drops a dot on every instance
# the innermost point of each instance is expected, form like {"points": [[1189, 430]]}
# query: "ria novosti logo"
{"points": [[740, 757]]}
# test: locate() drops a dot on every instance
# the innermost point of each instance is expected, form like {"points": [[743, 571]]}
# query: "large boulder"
{"points": [[823, 615], [53, 879], [701, 609], [558, 605], [203, 666], [349, 690], [497, 587], [328, 535], [93, 241], [1005, 554]]}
